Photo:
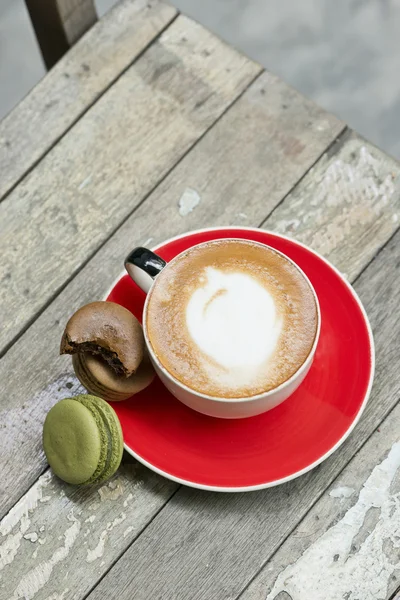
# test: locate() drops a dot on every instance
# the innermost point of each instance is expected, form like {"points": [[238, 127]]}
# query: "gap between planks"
{"points": [[388, 211], [8, 346], [335, 144], [323, 491], [337, 140], [209, 167], [84, 111], [174, 119], [284, 540], [96, 31], [120, 555], [341, 136], [317, 499]]}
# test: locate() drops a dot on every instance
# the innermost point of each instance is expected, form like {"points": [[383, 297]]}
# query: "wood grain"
{"points": [[109, 161], [352, 196], [58, 24], [41, 377], [247, 529], [348, 542], [63, 557], [34, 361], [34, 355], [75, 83], [245, 165]]}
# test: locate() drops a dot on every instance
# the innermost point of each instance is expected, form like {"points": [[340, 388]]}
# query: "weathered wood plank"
{"points": [[47, 377], [58, 24], [175, 553], [348, 544], [75, 83], [33, 360], [104, 167], [44, 348], [349, 198], [46, 557], [245, 165]]}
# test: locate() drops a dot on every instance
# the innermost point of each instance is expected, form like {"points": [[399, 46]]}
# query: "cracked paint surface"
{"points": [[332, 567]]}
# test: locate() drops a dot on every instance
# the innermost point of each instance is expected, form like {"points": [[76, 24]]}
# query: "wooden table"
{"points": [[95, 160]]}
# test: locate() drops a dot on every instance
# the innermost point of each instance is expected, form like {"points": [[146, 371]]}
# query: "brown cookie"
{"points": [[107, 329], [101, 380]]}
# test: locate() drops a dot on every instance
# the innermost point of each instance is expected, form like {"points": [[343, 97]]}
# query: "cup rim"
{"points": [[243, 399]]}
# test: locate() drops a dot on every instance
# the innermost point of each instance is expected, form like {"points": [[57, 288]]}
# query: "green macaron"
{"points": [[82, 440]]}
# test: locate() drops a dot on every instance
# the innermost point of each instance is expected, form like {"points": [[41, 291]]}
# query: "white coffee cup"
{"points": [[143, 266]]}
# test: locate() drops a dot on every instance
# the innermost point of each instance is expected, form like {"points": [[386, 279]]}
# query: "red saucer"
{"points": [[261, 451]]}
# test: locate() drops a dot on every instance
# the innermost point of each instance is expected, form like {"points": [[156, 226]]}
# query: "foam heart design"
{"points": [[233, 319]]}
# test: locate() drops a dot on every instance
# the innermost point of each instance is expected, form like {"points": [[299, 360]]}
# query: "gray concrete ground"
{"points": [[344, 54]]}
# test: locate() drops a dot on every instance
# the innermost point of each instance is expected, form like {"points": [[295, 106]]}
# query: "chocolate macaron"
{"points": [[109, 354], [107, 329], [100, 379]]}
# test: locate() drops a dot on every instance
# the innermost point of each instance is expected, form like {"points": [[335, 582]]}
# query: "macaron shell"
{"points": [[71, 441], [100, 379], [106, 328], [115, 438], [90, 402]]}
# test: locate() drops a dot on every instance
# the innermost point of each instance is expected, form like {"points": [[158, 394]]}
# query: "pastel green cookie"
{"points": [[115, 443], [71, 441], [82, 440], [105, 442]]}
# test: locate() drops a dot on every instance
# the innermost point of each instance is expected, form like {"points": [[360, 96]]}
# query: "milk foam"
{"points": [[233, 319]]}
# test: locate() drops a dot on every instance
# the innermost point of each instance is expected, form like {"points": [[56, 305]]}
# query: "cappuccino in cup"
{"points": [[231, 318]]}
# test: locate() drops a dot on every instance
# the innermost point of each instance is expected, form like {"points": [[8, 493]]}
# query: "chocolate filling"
{"points": [[110, 357]]}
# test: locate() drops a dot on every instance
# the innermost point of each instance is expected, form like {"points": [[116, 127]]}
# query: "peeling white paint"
{"points": [[9, 549], [36, 579], [32, 537], [343, 182], [342, 492], [112, 490], [35, 553], [58, 596], [26, 503], [349, 194], [188, 201], [330, 568], [98, 551], [128, 499], [90, 519], [128, 530], [11, 437], [85, 182], [19, 515]]}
